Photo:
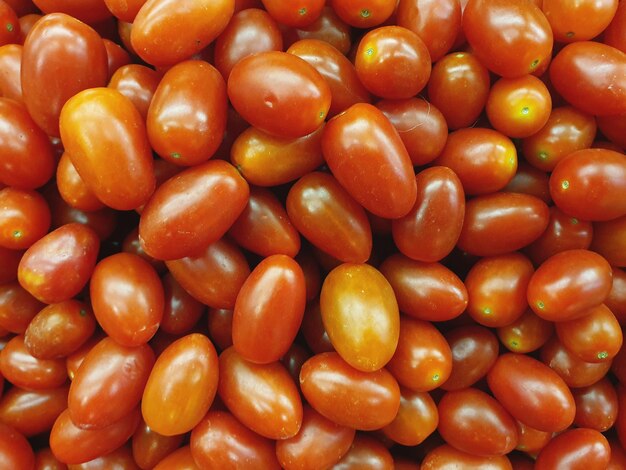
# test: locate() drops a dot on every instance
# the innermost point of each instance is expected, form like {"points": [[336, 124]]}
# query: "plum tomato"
{"points": [[579, 21], [580, 448], [25, 218], [364, 13]]}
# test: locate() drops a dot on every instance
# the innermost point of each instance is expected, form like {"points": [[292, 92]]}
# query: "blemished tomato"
{"points": [[586, 74], [62, 56], [580, 448], [532, 392], [269, 309], [366, 155], [511, 39], [166, 39], [171, 228], [347, 396]]}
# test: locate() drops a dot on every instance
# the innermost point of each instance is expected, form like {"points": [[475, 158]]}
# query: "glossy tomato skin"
{"points": [[569, 283], [73, 445], [432, 228], [11, 32], [616, 300], [361, 316], [427, 291], [588, 184], [17, 307], [485, 160], [393, 62], [581, 448], [587, 75], [187, 116], [363, 13], [447, 457], [150, 447], [123, 9], [614, 34], [511, 39], [279, 93], [53, 71], [366, 451], [220, 441], [243, 388], [269, 309], [320, 443], [72, 187], [127, 298], [108, 384], [609, 240], [181, 459], [215, 275], [367, 156], [249, 31], [347, 396], [15, 450], [345, 87], [165, 39], [25, 163], [417, 418], [181, 311], [596, 405], [502, 222], [526, 334], [530, 180], [297, 15], [531, 392], [474, 422], [138, 83], [326, 215], [9, 261], [45, 460], [580, 21], [91, 11], [26, 218], [116, 165], [32, 412], [171, 228], [58, 266], [328, 28], [10, 66]]}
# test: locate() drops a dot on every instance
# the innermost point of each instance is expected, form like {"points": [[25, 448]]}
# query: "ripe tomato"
{"points": [[15, 450], [297, 15], [366, 451], [125, 10], [10, 66], [363, 13], [17, 307], [528, 333], [137, 83], [417, 418], [578, 448], [579, 21], [446, 456], [25, 220], [596, 405], [150, 447], [32, 412]]}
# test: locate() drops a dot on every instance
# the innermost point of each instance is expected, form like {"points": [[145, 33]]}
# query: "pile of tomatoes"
{"points": [[343, 234]]}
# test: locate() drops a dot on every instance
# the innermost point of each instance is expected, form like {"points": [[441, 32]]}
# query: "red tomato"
{"points": [[26, 218], [528, 333], [125, 10], [10, 66], [578, 449], [615, 33], [72, 187], [17, 307], [580, 21], [150, 447], [137, 83], [596, 406], [417, 418], [90, 11], [178, 460], [328, 28], [446, 456], [297, 15], [364, 13], [366, 452], [15, 450], [181, 311], [32, 412]]}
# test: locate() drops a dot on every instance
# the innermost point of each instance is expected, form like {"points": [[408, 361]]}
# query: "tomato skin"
{"points": [[363, 13], [17, 307], [596, 406], [10, 66], [329, 218], [186, 125], [320, 443], [474, 350], [58, 266], [588, 184], [220, 327], [185, 30], [216, 195], [121, 458], [279, 93], [264, 226], [242, 387], [366, 452], [181, 311], [608, 240], [616, 299], [614, 129], [423, 360], [569, 283], [498, 223], [32, 412], [447, 457], [137, 83], [26, 218], [531, 392], [73, 189], [575, 449], [10, 33], [367, 156], [345, 87], [580, 21], [587, 75], [26, 163], [511, 39], [328, 28], [15, 450], [90, 11], [417, 418], [347, 396], [526, 334], [298, 15], [124, 10], [109, 384], [130, 317], [220, 441], [476, 423], [9, 261], [215, 276], [60, 329], [530, 180], [45, 460], [180, 459], [614, 34], [254, 151], [150, 447], [73, 445], [485, 160], [53, 71], [269, 310], [190, 359], [393, 62], [431, 229], [426, 291]]}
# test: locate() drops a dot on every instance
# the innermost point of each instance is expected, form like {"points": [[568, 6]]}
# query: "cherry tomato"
{"points": [[366, 452], [72, 187], [347, 396], [531, 440], [15, 450], [171, 228], [137, 83], [511, 39], [528, 333], [62, 56], [10, 33], [116, 56], [367, 156], [417, 418], [614, 34], [297, 15], [17, 307], [9, 261], [393, 62], [530, 180], [328, 28], [616, 299], [109, 384], [45, 460], [532, 392], [58, 265], [166, 39], [575, 449], [32, 412], [269, 310], [184, 382], [220, 441], [446, 456], [121, 458], [181, 311], [125, 10], [220, 327], [569, 283], [613, 128], [262, 396], [150, 447], [26, 218], [596, 406], [363, 13], [580, 21], [90, 11], [10, 66], [585, 74], [180, 459]]}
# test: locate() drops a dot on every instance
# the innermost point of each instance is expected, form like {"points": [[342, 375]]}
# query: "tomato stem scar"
{"points": [[603, 355], [565, 184], [175, 155], [540, 305], [365, 13], [302, 11], [17, 234], [9, 27]]}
